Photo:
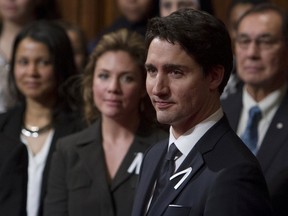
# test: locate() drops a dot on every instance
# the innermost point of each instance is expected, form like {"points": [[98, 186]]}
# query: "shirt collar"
{"points": [[187, 141], [266, 104]]}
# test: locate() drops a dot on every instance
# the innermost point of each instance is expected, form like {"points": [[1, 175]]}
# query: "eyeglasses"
{"points": [[262, 42]]}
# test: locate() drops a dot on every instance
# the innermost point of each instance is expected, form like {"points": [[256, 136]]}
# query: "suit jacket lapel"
{"points": [[149, 176], [91, 152], [170, 192], [135, 152], [64, 126], [276, 131], [195, 161], [143, 139]]}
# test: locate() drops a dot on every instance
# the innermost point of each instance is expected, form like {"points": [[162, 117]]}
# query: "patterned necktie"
{"points": [[167, 170], [250, 135]]}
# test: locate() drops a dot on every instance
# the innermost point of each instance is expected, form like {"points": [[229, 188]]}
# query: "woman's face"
{"points": [[169, 6], [34, 70], [18, 10], [118, 85]]}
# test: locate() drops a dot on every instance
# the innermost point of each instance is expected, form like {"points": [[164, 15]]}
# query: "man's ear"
{"points": [[216, 76]]}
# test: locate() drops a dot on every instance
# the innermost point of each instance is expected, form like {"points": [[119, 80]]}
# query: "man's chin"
{"points": [[163, 120]]}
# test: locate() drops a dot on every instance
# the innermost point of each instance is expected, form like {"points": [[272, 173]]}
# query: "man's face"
{"points": [[261, 52], [169, 6], [180, 92]]}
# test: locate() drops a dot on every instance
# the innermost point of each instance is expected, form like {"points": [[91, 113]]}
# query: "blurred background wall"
{"points": [[94, 15]]}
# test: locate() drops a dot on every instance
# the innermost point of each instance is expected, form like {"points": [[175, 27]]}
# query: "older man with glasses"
{"points": [[259, 111]]}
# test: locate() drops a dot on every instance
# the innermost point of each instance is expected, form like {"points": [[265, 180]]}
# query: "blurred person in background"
{"points": [[236, 9], [14, 16], [258, 112], [169, 6], [44, 113], [95, 171], [78, 42], [133, 16]]}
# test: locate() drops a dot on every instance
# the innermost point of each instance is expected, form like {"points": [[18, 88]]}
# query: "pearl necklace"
{"points": [[35, 131]]}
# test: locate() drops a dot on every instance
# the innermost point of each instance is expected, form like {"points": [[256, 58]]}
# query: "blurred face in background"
{"points": [[136, 10], [118, 85], [169, 6], [18, 10], [236, 12], [261, 51], [34, 70]]}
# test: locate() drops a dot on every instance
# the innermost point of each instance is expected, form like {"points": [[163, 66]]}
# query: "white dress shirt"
{"points": [[268, 107], [36, 167], [188, 140]]}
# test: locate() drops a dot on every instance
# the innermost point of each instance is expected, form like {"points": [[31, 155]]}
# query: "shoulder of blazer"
{"points": [[232, 100], [156, 150], [11, 121], [82, 137]]}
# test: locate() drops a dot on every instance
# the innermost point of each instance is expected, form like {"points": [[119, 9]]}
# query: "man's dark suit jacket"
{"points": [[225, 180], [78, 184], [13, 176], [273, 153], [11, 124]]}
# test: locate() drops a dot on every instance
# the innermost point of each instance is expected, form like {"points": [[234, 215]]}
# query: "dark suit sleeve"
{"points": [[239, 190], [57, 193]]}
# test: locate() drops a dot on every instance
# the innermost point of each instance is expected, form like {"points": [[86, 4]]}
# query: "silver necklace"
{"points": [[35, 131]]}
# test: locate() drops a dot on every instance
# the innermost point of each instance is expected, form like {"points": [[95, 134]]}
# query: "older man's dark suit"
{"points": [[11, 123], [226, 179], [273, 153]]}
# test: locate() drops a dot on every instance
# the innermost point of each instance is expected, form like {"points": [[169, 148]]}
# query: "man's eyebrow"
{"points": [[174, 66], [148, 65], [264, 35], [167, 66]]}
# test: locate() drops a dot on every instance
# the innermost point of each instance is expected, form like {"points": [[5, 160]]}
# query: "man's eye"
{"points": [[151, 71], [266, 41], [243, 41], [176, 73]]}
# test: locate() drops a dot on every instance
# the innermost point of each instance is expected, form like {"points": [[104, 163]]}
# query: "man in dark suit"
{"points": [[261, 56], [211, 171]]}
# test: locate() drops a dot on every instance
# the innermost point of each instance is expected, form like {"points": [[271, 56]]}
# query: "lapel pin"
{"points": [[136, 164], [185, 174]]}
